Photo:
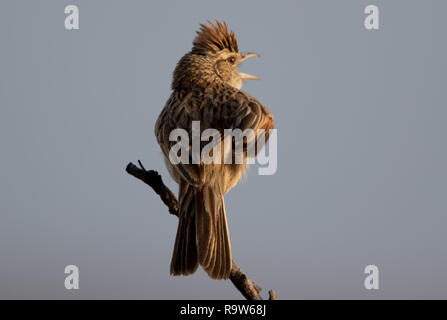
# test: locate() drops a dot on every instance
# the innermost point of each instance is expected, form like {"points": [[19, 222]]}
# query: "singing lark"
{"points": [[206, 87]]}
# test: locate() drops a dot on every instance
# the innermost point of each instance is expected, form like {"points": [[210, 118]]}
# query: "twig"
{"points": [[153, 179], [239, 279]]}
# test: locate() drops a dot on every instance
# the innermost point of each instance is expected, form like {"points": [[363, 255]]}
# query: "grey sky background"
{"points": [[361, 119]]}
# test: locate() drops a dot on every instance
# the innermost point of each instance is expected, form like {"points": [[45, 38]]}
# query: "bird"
{"points": [[206, 87]]}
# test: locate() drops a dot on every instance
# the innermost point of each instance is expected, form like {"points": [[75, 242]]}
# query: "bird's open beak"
{"points": [[248, 76], [245, 56]]}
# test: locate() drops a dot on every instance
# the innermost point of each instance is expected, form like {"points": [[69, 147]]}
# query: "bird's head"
{"points": [[214, 59]]}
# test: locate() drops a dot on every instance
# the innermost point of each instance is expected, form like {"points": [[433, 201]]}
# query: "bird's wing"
{"points": [[179, 112], [245, 112]]}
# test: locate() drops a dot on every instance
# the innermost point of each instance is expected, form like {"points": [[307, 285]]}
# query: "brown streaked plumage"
{"points": [[206, 87]]}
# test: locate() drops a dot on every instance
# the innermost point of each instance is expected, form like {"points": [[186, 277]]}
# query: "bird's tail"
{"points": [[202, 234], [184, 258]]}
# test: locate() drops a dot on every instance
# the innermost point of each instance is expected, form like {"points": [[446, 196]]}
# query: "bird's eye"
{"points": [[232, 60]]}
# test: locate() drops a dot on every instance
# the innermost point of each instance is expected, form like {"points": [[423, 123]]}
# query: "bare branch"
{"points": [[272, 295], [153, 179], [239, 279]]}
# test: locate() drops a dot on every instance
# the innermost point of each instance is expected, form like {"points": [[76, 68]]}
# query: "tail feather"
{"points": [[213, 240], [202, 234], [184, 258]]}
